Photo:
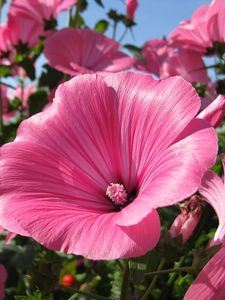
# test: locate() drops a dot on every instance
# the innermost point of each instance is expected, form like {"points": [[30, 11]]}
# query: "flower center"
{"points": [[117, 193]]}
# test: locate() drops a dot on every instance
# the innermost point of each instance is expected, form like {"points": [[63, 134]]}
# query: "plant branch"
{"points": [[124, 289], [153, 282], [189, 269]]}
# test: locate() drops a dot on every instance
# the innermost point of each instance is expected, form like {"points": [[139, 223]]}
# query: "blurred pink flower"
{"points": [[154, 52], [210, 283], [186, 63], [93, 167], [3, 278], [40, 10], [214, 113], [186, 222], [165, 61], [24, 29], [84, 51], [5, 43], [205, 27], [132, 6]]}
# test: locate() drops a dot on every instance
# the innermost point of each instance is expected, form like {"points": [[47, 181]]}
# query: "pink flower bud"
{"points": [[187, 220], [132, 5]]}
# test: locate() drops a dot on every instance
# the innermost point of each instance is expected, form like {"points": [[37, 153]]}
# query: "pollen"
{"points": [[117, 193]]}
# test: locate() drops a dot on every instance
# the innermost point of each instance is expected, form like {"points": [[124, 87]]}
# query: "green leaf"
{"points": [[77, 22], [36, 296], [101, 26], [134, 50], [99, 2], [5, 71], [28, 65], [23, 258], [37, 101], [50, 77]]}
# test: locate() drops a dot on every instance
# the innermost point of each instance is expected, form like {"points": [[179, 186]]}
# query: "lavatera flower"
{"points": [[87, 175]]}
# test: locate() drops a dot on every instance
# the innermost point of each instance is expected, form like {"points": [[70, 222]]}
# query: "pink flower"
{"points": [[186, 63], [87, 175], [186, 222], [210, 283], [154, 52], [40, 10], [205, 27], [5, 44], [3, 278], [24, 29], [84, 51], [193, 34], [164, 61], [132, 6], [214, 113]]}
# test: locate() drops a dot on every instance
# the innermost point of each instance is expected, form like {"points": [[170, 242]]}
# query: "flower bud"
{"points": [[187, 220]]}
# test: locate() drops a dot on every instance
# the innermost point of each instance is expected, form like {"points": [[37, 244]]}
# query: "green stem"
{"points": [[8, 85], [125, 282], [114, 30], [76, 17], [174, 275], [89, 295], [203, 68], [123, 35], [155, 278], [176, 270]]}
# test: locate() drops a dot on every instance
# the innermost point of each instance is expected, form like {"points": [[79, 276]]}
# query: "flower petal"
{"points": [[210, 283], [213, 190], [168, 181], [214, 112], [84, 51]]}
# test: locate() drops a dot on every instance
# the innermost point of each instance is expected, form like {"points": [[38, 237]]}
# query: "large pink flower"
{"points": [[40, 10], [86, 175], [3, 278], [210, 283], [84, 51]]}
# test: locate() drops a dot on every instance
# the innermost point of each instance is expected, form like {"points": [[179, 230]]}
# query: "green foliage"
{"points": [[50, 77], [37, 101], [5, 71], [101, 26], [35, 296], [134, 50]]}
